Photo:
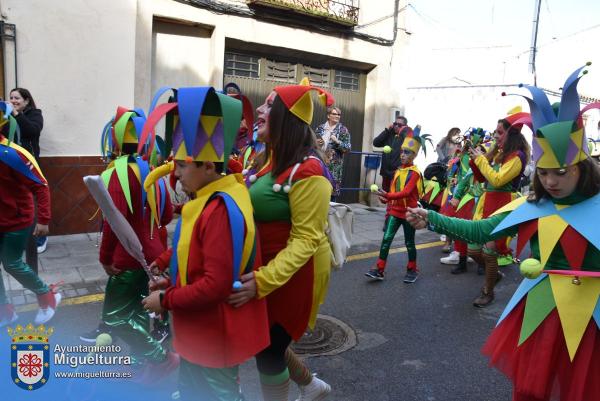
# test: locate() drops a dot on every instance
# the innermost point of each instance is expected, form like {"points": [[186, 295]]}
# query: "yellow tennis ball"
{"points": [[387, 149], [531, 268], [374, 188], [103, 340]]}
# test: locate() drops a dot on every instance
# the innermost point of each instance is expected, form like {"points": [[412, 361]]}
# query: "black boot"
{"points": [[461, 267]]}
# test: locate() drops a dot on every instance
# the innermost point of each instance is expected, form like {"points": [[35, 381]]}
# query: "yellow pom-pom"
{"points": [[531, 268], [374, 188], [387, 149]]}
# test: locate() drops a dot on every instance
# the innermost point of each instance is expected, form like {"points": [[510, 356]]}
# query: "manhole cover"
{"points": [[330, 337]]}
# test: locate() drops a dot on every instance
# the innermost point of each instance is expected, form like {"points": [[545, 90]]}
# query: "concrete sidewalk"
{"points": [[73, 259]]}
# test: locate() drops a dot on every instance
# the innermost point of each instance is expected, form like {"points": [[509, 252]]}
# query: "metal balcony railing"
{"points": [[341, 11]]}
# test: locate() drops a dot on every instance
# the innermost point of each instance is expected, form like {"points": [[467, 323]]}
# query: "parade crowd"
{"points": [[249, 262]]}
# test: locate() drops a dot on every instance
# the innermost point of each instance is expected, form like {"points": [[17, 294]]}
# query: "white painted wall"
{"points": [[82, 58], [385, 83], [179, 55], [77, 59]]}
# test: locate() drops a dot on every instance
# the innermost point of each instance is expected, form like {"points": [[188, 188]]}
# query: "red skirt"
{"points": [[448, 210], [540, 368], [466, 211], [494, 200], [289, 305]]}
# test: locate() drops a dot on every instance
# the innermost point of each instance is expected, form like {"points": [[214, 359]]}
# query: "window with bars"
{"points": [[346, 80], [281, 71], [241, 65], [317, 76]]}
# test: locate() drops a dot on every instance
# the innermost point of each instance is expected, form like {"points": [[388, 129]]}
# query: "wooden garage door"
{"points": [[257, 75]]}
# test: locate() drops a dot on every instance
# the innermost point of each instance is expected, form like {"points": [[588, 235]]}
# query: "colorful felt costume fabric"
{"points": [[209, 331], [294, 245], [548, 338]]}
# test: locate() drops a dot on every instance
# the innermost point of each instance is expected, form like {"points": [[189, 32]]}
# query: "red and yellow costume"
{"points": [[295, 250], [405, 191], [209, 331], [215, 242]]}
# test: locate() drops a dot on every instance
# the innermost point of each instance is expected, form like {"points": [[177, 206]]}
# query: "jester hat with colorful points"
{"points": [[7, 118], [558, 136], [124, 128], [414, 140], [200, 123], [475, 136], [298, 101], [13, 155]]}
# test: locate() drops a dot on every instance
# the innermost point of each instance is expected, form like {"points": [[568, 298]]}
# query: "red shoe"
{"points": [[7, 314], [151, 373]]}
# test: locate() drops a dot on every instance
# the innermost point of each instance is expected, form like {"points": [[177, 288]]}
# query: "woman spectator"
{"points": [[290, 195], [333, 138], [448, 145], [29, 118], [31, 122]]}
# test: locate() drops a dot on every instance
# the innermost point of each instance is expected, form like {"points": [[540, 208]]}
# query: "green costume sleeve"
{"points": [[475, 232], [461, 187], [309, 205]]}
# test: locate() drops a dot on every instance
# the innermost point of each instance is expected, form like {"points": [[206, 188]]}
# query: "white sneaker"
{"points": [[8, 320], [443, 238], [42, 248], [451, 259], [46, 314], [470, 259], [316, 390]]}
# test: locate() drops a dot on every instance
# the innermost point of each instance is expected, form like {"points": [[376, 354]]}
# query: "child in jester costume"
{"points": [[464, 198], [215, 242], [548, 338], [405, 191], [122, 311], [119, 137], [21, 179], [434, 187]]}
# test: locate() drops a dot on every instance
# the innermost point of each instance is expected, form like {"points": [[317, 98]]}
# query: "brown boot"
{"points": [[491, 278], [484, 299]]}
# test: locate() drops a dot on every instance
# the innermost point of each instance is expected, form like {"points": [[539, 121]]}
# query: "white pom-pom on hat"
{"points": [[252, 178], [276, 187]]}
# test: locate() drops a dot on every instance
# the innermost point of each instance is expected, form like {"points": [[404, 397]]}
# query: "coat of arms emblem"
{"points": [[30, 355]]}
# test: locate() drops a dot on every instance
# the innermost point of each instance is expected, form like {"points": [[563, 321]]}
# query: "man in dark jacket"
{"points": [[391, 136]]}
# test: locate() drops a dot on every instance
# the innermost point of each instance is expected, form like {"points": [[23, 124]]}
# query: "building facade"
{"points": [[82, 59]]}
